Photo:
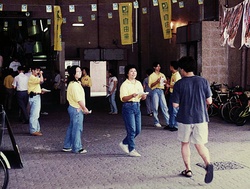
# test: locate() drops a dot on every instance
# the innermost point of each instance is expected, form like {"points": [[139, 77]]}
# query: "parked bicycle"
{"points": [[234, 101], [4, 163], [218, 99], [241, 114]]}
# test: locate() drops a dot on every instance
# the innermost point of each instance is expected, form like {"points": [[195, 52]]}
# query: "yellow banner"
{"points": [[126, 29], [57, 28], [166, 16]]}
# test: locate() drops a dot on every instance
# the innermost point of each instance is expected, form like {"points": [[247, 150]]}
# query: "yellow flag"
{"points": [[126, 29], [166, 16], [57, 28]]}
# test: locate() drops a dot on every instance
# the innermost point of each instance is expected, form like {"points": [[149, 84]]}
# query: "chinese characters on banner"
{"points": [[166, 15], [57, 28], [126, 29]]}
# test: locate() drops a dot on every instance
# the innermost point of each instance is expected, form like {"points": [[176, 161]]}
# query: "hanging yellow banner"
{"points": [[166, 16], [126, 29], [57, 28]]}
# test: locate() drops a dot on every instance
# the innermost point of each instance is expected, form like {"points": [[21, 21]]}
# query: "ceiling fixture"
{"points": [[78, 24]]}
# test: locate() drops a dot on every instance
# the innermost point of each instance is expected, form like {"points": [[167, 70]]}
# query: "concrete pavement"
{"points": [[105, 166]]}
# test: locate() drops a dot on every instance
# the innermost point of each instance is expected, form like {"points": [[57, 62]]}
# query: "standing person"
{"points": [[9, 90], [112, 86], [172, 111], [28, 50], [86, 83], [14, 64], [149, 90], [76, 109], [156, 82], [34, 91], [57, 87], [131, 92], [20, 83], [192, 94]]}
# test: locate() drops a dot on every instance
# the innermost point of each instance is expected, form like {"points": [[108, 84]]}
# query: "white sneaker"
{"points": [[158, 125], [134, 153], [124, 147]]}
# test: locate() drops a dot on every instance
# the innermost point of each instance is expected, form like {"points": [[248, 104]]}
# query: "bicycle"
{"points": [[235, 101], [241, 114], [4, 163], [218, 99]]}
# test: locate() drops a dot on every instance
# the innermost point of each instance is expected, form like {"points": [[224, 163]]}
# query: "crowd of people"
{"points": [[186, 111]]}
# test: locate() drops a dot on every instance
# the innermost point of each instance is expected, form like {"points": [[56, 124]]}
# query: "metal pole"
{"points": [[244, 66]]}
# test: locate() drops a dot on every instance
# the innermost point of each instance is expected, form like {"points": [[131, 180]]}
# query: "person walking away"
{"points": [[76, 109], [172, 111], [192, 94], [112, 86], [20, 83], [156, 82], [34, 91], [9, 90], [86, 83], [57, 86], [149, 90], [131, 92]]}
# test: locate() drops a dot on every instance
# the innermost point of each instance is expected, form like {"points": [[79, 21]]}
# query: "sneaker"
{"points": [[134, 153], [167, 127], [157, 125], [36, 134], [124, 147], [67, 149], [173, 129], [82, 151]]}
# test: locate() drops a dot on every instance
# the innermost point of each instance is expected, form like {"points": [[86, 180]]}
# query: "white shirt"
{"points": [[14, 65], [21, 82], [111, 83]]}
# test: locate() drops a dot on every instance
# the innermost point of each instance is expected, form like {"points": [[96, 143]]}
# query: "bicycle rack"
{"points": [[13, 156]]}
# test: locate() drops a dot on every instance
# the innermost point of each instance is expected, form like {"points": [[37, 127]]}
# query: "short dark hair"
{"points": [[187, 63], [20, 68], [149, 71], [112, 72], [127, 68], [174, 64], [155, 64]]}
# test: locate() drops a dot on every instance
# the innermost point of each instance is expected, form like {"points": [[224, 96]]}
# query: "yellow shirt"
{"points": [[127, 88], [153, 77], [174, 78], [75, 93], [34, 84], [86, 81], [8, 80]]}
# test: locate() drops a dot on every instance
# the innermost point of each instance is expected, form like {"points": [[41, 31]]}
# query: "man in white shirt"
{"points": [[14, 65], [20, 83]]}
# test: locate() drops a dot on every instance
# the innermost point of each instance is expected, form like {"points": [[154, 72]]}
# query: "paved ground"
{"points": [[105, 166]]}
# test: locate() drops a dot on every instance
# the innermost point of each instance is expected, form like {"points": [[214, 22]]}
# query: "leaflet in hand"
{"points": [[45, 90], [142, 93]]}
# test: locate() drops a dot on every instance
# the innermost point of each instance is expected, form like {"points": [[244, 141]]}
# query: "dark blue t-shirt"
{"points": [[191, 94]]}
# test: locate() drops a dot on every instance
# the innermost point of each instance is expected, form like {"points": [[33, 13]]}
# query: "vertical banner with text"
{"points": [[126, 29], [166, 16], [57, 28]]}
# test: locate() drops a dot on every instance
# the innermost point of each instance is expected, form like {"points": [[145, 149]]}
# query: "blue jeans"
{"points": [[113, 107], [35, 107], [158, 98], [131, 114], [172, 113], [74, 132], [149, 103]]}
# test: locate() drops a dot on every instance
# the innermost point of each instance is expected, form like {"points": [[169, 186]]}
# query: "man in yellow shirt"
{"points": [[86, 83], [9, 90], [173, 111], [34, 91], [156, 82]]}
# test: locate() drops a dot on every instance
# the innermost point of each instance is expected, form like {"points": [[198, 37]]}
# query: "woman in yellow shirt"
{"points": [[131, 92]]}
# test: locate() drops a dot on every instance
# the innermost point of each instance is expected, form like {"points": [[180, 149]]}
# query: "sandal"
{"points": [[187, 173]]}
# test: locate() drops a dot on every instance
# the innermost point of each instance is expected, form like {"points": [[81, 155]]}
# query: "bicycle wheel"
{"points": [[211, 110], [239, 121], [4, 174], [232, 113], [225, 111]]}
